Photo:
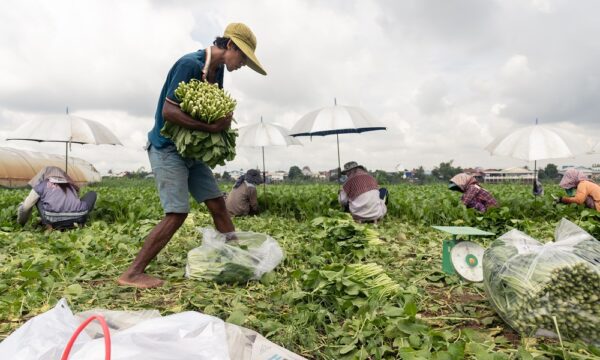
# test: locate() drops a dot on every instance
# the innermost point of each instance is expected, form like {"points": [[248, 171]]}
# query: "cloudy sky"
{"points": [[445, 77]]}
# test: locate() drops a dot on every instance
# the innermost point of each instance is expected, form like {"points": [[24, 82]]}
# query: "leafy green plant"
{"points": [[208, 103]]}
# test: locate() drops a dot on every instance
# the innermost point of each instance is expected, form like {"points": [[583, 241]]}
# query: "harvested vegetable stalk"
{"points": [[208, 103]]}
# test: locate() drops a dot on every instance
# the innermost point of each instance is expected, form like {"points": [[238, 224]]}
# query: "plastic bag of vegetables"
{"points": [[208, 103], [247, 257], [548, 289]]}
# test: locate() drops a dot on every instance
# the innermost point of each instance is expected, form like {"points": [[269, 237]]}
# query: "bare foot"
{"points": [[142, 281]]}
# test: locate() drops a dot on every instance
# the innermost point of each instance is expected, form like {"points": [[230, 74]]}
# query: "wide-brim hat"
{"points": [[244, 39], [351, 165]]}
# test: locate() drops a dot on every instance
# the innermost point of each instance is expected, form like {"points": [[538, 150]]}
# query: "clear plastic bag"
{"points": [[546, 289], [247, 257]]}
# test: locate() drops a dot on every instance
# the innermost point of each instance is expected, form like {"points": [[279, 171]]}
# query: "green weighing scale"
{"points": [[461, 256]]}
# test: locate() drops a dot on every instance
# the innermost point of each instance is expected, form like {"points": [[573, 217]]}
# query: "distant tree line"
{"points": [[440, 173]]}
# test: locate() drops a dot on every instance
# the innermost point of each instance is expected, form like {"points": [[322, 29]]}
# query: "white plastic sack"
{"points": [[115, 320], [246, 344], [247, 257], [184, 336], [544, 289], [138, 335], [43, 337]]}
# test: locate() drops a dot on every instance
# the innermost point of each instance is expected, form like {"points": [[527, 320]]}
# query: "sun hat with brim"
{"points": [[243, 38], [453, 186], [351, 165]]}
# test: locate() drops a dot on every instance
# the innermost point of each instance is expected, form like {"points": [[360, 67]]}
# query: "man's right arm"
{"points": [[172, 113]]}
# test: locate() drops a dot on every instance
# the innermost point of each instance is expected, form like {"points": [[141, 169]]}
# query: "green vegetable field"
{"points": [[343, 291]]}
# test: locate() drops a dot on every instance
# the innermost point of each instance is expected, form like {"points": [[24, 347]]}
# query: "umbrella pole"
{"points": [[534, 177], [264, 176], [337, 137], [66, 157]]}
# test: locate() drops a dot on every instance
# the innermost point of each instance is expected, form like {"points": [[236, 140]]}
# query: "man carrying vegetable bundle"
{"points": [[177, 176], [360, 195]]}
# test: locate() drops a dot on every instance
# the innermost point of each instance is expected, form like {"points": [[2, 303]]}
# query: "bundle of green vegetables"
{"points": [[549, 288], [204, 102], [237, 261], [337, 281], [342, 235], [216, 265]]}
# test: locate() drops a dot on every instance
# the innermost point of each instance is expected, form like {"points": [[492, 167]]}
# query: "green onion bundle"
{"points": [[546, 288], [207, 103], [374, 278], [338, 281]]}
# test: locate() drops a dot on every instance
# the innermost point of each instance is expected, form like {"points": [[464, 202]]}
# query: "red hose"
{"points": [[105, 330]]}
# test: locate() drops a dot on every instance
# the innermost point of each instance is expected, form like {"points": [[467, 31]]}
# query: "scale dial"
{"points": [[466, 258]]}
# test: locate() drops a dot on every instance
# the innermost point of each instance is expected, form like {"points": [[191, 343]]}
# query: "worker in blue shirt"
{"points": [[177, 177]]}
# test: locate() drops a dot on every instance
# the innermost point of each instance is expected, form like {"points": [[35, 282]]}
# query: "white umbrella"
{"points": [[262, 134], [65, 128], [538, 142], [335, 120]]}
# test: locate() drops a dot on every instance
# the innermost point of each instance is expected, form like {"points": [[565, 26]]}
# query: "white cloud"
{"points": [[516, 67], [444, 78]]}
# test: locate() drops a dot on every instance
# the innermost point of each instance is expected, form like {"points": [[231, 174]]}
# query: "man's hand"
{"points": [[222, 124], [174, 114]]}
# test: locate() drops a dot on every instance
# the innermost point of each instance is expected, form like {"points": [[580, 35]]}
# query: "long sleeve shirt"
{"points": [[242, 200], [584, 189], [366, 206], [56, 202], [478, 198]]}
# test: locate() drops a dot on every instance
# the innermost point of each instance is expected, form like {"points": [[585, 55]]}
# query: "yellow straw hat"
{"points": [[243, 38]]}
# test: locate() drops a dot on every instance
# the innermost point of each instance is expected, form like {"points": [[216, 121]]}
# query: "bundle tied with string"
{"points": [[547, 289]]}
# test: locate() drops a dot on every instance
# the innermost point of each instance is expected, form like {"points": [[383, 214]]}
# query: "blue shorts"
{"points": [[177, 177]]}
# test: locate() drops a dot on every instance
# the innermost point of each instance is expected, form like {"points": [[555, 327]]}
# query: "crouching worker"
{"points": [[243, 199], [474, 196], [56, 197], [361, 196], [580, 190]]}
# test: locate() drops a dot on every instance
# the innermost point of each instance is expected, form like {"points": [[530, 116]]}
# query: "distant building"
{"points": [[592, 173], [235, 174], [276, 176], [306, 172], [478, 173], [323, 175], [519, 175]]}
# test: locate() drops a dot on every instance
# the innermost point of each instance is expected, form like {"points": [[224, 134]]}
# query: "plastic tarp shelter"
{"points": [[17, 167]]}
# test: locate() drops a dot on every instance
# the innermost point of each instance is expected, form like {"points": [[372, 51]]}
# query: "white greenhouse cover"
{"points": [[17, 167]]}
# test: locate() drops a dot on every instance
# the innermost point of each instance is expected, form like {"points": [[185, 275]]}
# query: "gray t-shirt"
{"points": [[59, 199]]}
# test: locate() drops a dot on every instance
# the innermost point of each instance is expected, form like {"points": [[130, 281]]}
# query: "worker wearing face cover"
{"points": [[580, 190]]}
